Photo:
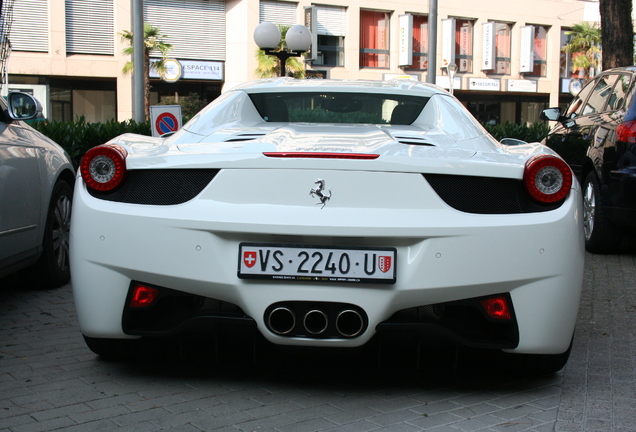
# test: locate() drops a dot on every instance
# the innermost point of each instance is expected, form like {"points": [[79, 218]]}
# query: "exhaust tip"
{"points": [[281, 320], [349, 323], [315, 321]]}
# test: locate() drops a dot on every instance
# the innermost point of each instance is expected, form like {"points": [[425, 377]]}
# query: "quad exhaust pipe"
{"points": [[315, 322], [327, 320], [281, 320], [349, 323]]}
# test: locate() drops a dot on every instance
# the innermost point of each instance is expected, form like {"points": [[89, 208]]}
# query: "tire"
{"points": [[53, 266], [601, 236]]}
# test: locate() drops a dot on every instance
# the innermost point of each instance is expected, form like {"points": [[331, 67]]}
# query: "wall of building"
{"points": [[89, 72]]}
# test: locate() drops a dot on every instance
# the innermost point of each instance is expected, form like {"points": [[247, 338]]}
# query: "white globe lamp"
{"points": [[298, 38], [267, 35]]}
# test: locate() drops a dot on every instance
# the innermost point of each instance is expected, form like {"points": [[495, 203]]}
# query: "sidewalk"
{"points": [[49, 380], [599, 381]]}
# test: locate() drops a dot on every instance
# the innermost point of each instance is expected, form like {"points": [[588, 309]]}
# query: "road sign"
{"points": [[165, 119]]}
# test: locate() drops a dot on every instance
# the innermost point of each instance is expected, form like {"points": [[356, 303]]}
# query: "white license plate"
{"points": [[321, 264]]}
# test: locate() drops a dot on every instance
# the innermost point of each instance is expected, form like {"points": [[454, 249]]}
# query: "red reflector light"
{"points": [[143, 296], [547, 178], [626, 132], [104, 167], [496, 307], [317, 155]]}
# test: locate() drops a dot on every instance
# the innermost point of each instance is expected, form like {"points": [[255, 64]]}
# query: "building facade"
{"points": [[508, 57]]}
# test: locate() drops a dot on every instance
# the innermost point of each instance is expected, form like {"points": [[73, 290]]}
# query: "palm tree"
{"points": [[154, 42], [268, 65], [584, 46]]}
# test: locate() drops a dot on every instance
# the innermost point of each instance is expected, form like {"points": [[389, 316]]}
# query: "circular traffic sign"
{"points": [[166, 122]]}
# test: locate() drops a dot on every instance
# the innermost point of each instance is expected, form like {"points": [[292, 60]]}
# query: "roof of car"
{"points": [[295, 85]]}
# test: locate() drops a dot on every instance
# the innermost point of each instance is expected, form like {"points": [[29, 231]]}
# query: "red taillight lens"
{"points": [[626, 132], [497, 307], [143, 296], [320, 155], [547, 178], [104, 167]]}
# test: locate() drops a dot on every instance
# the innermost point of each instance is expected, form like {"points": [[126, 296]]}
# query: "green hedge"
{"points": [[78, 136], [533, 133]]}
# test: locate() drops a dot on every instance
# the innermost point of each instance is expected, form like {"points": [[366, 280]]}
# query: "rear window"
{"points": [[337, 107]]}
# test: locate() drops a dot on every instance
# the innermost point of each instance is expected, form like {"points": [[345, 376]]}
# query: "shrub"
{"points": [[77, 137], [532, 133]]}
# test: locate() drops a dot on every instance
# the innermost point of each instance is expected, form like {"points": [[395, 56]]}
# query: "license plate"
{"points": [[320, 264]]}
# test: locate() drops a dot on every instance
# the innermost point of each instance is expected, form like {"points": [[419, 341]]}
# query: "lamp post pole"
{"points": [[451, 69], [138, 96], [298, 41], [282, 59]]}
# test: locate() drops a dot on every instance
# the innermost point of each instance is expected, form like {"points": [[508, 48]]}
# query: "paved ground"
{"points": [[49, 380]]}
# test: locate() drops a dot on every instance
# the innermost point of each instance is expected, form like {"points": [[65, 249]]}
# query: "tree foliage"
{"points": [[154, 42], [584, 46]]}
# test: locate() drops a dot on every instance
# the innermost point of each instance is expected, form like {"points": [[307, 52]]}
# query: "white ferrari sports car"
{"points": [[321, 213]]}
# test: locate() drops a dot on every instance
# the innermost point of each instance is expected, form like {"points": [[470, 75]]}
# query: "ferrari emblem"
{"points": [[320, 192], [249, 258], [384, 263]]}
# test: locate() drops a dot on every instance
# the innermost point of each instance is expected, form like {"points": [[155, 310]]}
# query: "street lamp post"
{"points": [[451, 69], [297, 41]]}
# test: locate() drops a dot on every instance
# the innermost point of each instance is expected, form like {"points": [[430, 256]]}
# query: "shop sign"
{"points": [[405, 57], [487, 84], [488, 41], [196, 69], [527, 49], [392, 76], [173, 70], [448, 41], [443, 81], [529, 86]]}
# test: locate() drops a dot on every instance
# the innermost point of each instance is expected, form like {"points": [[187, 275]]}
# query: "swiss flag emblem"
{"points": [[384, 263], [249, 258]]}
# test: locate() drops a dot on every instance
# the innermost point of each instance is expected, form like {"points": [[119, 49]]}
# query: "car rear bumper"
{"points": [[444, 257]]}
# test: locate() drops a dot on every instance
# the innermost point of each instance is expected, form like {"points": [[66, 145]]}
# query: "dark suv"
{"points": [[597, 137]]}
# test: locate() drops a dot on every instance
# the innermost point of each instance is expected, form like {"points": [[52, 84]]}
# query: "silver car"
{"points": [[36, 190]]}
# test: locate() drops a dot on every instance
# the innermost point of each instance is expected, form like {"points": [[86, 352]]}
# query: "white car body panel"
{"points": [[443, 254]]}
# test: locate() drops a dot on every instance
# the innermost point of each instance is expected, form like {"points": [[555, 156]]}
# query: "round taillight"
{"points": [[104, 167], [547, 178]]}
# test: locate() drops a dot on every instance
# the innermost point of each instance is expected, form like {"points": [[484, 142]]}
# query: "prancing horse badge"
{"points": [[320, 193]]}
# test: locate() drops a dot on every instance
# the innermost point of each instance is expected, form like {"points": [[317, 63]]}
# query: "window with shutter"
{"points": [[90, 27], [194, 28], [30, 28], [278, 12]]}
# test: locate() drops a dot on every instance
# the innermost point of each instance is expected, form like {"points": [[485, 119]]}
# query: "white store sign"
{"points": [[406, 40], [527, 49], [484, 84], [196, 69], [488, 59], [528, 86]]}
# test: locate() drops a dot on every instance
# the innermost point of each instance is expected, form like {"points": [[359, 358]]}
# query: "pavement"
{"points": [[49, 380]]}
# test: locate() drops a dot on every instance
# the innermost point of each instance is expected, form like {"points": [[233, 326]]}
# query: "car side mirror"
{"points": [[23, 106], [552, 114]]}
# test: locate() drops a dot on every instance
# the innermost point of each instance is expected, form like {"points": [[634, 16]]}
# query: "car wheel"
{"points": [[601, 236], [54, 269]]}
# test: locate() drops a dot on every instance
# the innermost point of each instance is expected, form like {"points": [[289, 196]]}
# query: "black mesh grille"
{"points": [[159, 187], [485, 195]]}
